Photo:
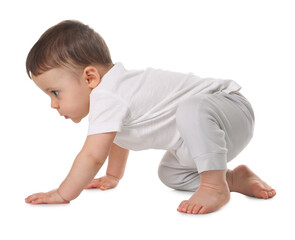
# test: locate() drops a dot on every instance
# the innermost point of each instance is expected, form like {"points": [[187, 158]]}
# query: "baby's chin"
{"points": [[76, 120]]}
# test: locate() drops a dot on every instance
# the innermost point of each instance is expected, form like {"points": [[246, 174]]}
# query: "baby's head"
{"points": [[67, 62]]}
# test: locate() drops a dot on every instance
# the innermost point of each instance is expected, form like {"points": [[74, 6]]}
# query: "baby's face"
{"points": [[69, 95]]}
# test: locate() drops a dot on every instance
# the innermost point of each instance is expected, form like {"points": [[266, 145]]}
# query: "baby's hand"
{"points": [[51, 197], [103, 183]]}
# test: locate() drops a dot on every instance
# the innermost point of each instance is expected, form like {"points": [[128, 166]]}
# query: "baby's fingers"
{"points": [[96, 183], [36, 198], [33, 197], [106, 185], [90, 185], [39, 200]]}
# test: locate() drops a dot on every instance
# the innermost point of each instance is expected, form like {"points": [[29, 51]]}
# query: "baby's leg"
{"points": [[210, 193], [215, 129], [179, 177]]}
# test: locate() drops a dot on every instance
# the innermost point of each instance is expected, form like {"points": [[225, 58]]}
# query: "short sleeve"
{"points": [[107, 112]]}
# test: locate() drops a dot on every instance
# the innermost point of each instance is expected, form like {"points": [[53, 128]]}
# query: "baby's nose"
{"points": [[54, 105]]}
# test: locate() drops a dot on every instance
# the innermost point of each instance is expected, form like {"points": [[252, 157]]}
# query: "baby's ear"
{"points": [[91, 76]]}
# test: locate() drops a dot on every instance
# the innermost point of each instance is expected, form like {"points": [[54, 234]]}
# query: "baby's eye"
{"points": [[55, 92]]}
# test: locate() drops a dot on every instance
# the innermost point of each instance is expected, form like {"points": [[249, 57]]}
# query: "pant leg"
{"points": [[222, 126], [177, 176], [215, 128]]}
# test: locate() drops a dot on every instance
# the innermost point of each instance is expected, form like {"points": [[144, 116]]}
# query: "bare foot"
{"points": [[211, 195], [207, 198], [243, 180]]}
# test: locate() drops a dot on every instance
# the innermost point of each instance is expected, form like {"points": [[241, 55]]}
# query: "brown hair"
{"points": [[70, 44]]}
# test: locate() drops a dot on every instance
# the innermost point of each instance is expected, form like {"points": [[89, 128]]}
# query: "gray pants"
{"points": [[214, 129]]}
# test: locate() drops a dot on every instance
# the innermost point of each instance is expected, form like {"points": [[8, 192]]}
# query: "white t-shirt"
{"points": [[140, 105]]}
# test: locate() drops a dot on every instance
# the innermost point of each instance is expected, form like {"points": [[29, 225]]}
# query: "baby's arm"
{"points": [[117, 161], [85, 167], [115, 170]]}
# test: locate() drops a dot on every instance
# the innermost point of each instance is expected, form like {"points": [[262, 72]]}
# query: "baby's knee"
{"points": [[166, 176], [170, 177], [187, 180]]}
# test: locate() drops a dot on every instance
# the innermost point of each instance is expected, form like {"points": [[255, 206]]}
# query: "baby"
{"points": [[203, 123]]}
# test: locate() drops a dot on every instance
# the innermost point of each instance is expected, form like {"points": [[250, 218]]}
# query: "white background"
{"points": [[251, 42]]}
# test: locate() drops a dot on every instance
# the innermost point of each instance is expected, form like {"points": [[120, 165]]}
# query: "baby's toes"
{"points": [[190, 208], [196, 209], [271, 193], [183, 206], [263, 194], [267, 193], [202, 210]]}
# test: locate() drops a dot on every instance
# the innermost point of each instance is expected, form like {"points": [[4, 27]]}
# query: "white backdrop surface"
{"points": [[251, 42]]}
